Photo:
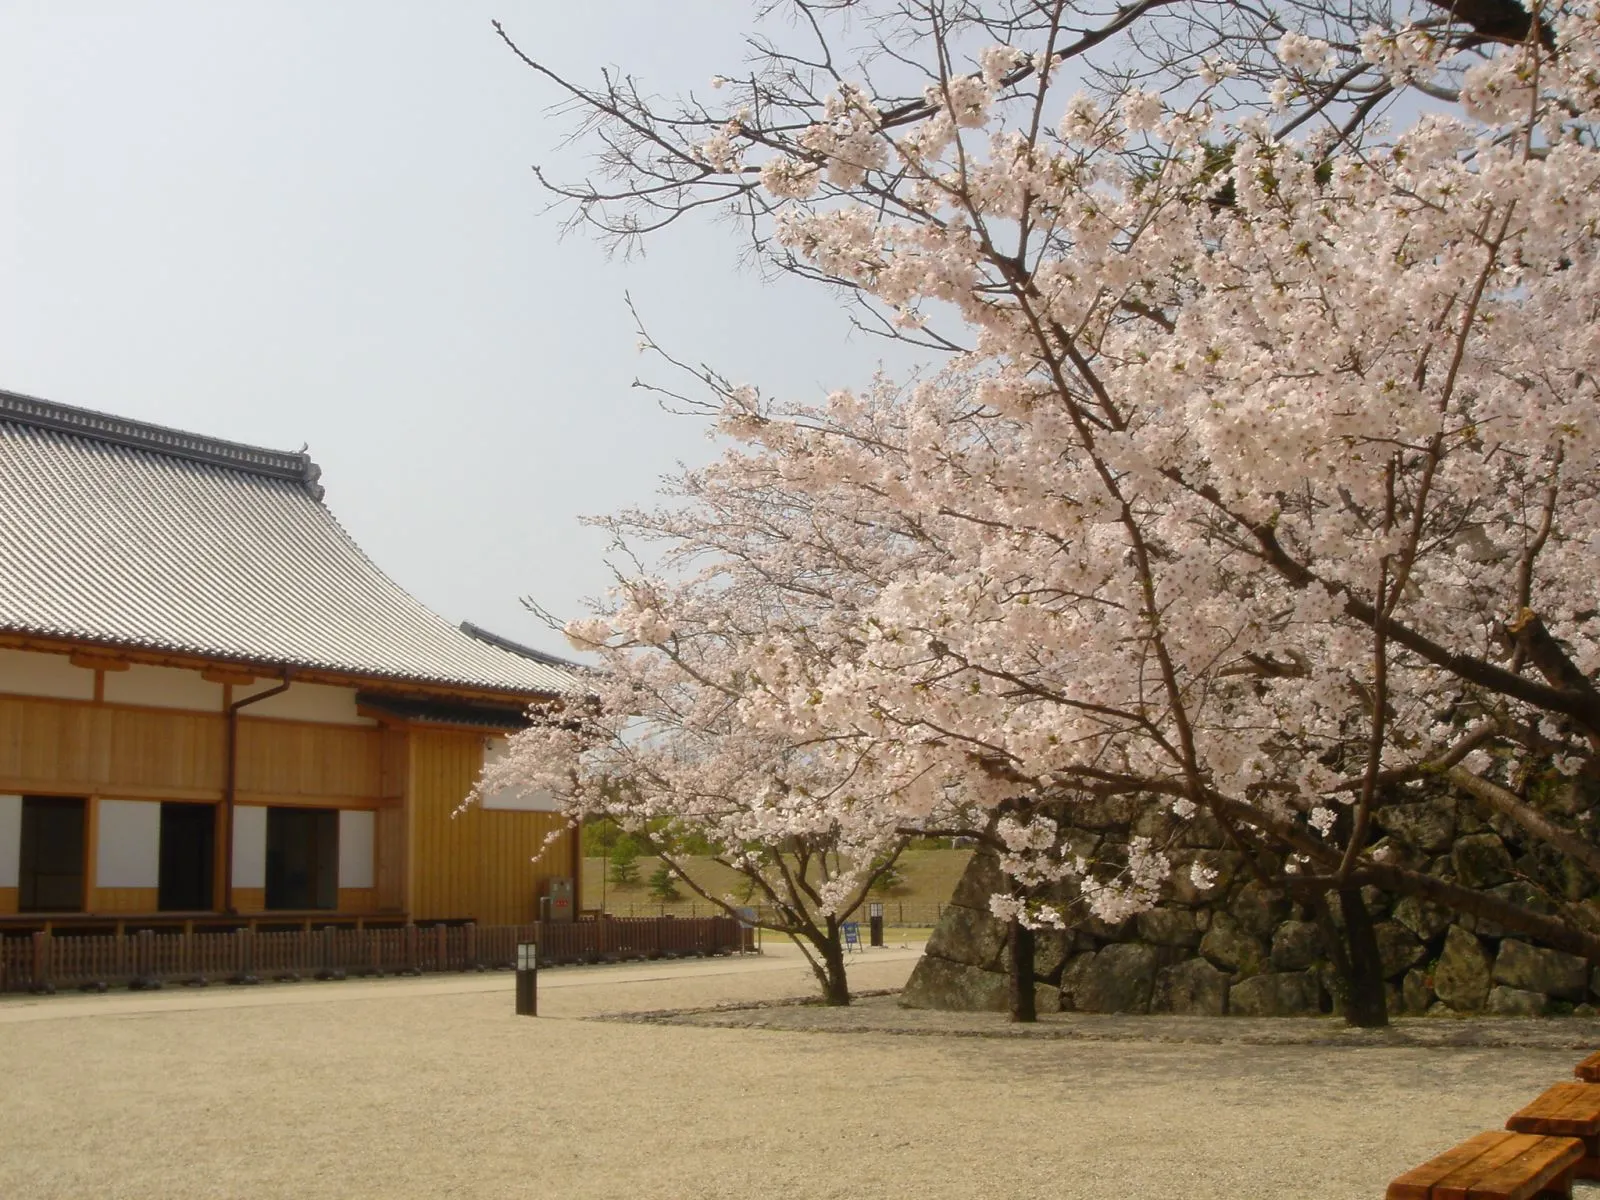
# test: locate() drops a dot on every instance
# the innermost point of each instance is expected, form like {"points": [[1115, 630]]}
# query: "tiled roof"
{"points": [[118, 532]]}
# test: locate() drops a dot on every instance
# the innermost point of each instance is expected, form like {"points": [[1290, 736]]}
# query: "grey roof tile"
{"points": [[119, 532]]}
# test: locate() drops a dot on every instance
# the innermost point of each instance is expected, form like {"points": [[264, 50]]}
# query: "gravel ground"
{"points": [[433, 1088]]}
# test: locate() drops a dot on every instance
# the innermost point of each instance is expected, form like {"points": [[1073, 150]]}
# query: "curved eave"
{"points": [[168, 656]]}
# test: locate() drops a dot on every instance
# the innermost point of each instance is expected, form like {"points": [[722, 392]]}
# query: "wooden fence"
{"points": [[909, 913], [50, 959]]}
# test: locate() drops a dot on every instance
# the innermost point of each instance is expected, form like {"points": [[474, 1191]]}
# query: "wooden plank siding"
{"points": [[77, 747], [389, 848], [477, 865], [429, 864], [358, 900], [123, 900], [284, 762]]}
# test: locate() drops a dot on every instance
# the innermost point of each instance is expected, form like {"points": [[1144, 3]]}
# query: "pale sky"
{"points": [[308, 222]]}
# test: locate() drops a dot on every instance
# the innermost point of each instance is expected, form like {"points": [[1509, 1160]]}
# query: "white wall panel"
{"points": [[249, 846], [129, 844], [28, 674], [304, 702], [357, 838], [163, 687], [10, 840], [516, 799]]}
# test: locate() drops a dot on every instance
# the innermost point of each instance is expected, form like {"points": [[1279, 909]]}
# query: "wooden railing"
{"points": [[51, 959]]}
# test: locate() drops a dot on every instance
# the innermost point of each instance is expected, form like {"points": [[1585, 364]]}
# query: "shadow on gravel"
{"points": [[879, 1012]]}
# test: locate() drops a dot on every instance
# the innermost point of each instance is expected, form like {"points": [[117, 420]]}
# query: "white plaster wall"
{"points": [[129, 854], [249, 846], [357, 838], [304, 702], [515, 799], [163, 687], [26, 673], [10, 840]]}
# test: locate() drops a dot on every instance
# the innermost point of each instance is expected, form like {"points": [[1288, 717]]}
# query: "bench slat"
{"points": [[1565, 1110], [1459, 1183], [1589, 1069], [1493, 1166], [1525, 1175], [1418, 1183]]}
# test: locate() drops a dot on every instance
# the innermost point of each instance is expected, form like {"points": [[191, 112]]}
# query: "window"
{"points": [[188, 850], [302, 858], [50, 858]]}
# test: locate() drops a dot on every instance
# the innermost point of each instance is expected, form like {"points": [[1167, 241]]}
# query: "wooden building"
{"points": [[212, 703]]}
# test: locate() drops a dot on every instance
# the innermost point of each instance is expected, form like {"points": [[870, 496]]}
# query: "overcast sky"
{"points": [[315, 223]]}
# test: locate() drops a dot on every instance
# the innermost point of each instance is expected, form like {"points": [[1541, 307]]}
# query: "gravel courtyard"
{"points": [[432, 1088]]}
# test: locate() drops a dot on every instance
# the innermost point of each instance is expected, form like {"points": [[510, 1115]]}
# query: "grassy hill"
{"points": [[928, 879]]}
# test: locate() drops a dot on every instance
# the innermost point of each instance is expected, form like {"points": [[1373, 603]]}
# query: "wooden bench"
{"points": [[1589, 1069], [1495, 1166], [1566, 1110]]}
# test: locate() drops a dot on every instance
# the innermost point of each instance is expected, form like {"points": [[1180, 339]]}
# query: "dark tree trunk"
{"points": [[1366, 1005], [1022, 1003], [1355, 957], [830, 971]]}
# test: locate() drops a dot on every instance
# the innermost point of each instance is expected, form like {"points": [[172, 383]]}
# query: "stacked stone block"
{"points": [[1245, 949]]}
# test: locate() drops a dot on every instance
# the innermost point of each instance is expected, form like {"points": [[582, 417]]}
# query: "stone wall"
{"points": [[1246, 949]]}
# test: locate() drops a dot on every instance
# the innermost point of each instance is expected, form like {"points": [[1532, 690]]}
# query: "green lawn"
{"points": [[930, 876]]}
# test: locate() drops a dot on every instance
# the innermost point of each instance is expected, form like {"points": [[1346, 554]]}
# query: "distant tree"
{"points": [[599, 837], [890, 880], [663, 887], [624, 857]]}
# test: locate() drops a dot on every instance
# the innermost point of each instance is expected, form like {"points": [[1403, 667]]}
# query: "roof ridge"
{"points": [[505, 643], [140, 435]]}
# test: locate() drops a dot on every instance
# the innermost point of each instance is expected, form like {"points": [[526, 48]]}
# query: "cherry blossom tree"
{"points": [[669, 742], [1260, 473]]}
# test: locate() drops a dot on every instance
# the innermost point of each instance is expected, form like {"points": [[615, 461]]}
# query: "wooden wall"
{"points": [[477, 864], [73, 747], [123, 900], [290, 762]]}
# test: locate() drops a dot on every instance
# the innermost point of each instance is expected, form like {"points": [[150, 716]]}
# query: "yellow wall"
{"points": [[287, 762], [78, 747], [123, 900], [358, 900], [479, 864], [69, 746]]}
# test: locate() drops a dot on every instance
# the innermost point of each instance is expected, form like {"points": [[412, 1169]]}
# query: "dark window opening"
{"points": [[302, 858], [50, 862], [188, 850]]}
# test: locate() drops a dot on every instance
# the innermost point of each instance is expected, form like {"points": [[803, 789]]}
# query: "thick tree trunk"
{"points": [[1022, 1004], [1365, 1004], [1355, 957], [830, 971]]}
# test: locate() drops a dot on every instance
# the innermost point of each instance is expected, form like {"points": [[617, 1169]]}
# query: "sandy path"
{"points": [[432, 1088]]}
